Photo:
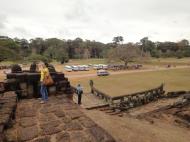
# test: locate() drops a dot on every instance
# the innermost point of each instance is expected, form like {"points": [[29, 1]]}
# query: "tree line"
{"points": [[62, 50]]}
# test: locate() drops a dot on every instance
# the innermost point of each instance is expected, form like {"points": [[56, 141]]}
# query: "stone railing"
{"points": [[101, 95]]}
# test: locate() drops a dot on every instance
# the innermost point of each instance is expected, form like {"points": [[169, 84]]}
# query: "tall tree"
{"points": [[126, 54]]}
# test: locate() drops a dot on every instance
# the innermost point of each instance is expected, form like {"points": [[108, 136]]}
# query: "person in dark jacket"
{"points": [[79, 92]]}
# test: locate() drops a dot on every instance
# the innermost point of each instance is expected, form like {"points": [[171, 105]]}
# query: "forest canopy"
{"points": [[62, 50]]}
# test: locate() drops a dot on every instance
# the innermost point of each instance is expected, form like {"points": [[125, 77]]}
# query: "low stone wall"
{"points": [[27, 84], [176, 94], [2, 67], [127, 101], [7, 111]]}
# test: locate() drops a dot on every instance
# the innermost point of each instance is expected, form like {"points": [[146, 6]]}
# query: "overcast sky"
{"points": [[101, 20]]}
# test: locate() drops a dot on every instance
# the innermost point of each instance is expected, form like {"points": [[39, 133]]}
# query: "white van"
{"points": [[75, 68], [95, 67], [105, 67], [86, 67], [81, 68], [68, 68]]}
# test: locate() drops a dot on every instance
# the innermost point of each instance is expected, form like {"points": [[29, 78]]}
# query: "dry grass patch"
{"points": [[174, 79]]}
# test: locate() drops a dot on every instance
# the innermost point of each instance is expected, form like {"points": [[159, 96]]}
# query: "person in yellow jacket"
{"points": [[43, 88]]}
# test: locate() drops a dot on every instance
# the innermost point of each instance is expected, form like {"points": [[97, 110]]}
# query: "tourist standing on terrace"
{"points": [[43, 89], [79, 93]]}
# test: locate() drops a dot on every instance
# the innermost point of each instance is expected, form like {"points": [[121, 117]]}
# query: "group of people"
{"points": [[44, 72]]}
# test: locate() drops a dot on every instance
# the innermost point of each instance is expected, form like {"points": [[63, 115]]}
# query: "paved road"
{"points": [[126, 72]]}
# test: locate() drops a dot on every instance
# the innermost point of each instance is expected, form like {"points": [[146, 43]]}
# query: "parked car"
{"points": [[75, 68], [68, 68], [102, 73]]}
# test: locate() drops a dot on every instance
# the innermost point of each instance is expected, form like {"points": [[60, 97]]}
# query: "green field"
{"points": [[174, 80]]}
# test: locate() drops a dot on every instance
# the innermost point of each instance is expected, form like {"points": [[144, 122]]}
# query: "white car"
{"points": [[68, 68], [102, 73]]}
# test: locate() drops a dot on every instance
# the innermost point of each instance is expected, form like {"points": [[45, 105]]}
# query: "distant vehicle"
{"points": [[68, 68], [81, 67], [102, 73], [100, 66], [96, 67], [105, 67], [75, 68], [86, 67], [90, 65]]}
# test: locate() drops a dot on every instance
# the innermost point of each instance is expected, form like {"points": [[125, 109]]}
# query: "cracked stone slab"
{"points": [[74, 114], [28, 133], [73, 126], [28, 121], [87, 122], [63, 137], [97, 134], [43, 139]]}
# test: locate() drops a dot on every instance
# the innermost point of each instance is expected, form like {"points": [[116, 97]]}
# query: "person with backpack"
{"points": [[79, 92]]}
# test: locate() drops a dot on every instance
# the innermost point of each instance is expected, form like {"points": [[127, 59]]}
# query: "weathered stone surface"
{"points": [[42, 139], [53, 122], [7, 107], [27, 113], [28, 133], [4, 119], [28, 121], [78, 137], [11, 135], [69, 106], [74, 114], [86, 122], [47, 117], [97, 134], [63, 137], [66, 119], [2, 138], [60, 113], [73, 125], [50, 128]]}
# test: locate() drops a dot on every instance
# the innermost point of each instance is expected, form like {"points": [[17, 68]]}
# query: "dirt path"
{"points": [[125, 72]]}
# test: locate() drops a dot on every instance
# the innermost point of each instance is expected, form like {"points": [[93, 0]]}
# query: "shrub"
{"points": [[38, 57], [7, 54]]}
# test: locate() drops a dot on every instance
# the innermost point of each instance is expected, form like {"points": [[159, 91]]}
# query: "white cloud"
{"points": [[96, 19]]}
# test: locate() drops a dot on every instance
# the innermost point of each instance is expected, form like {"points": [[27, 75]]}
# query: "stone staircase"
{"points": [[90, 101]]}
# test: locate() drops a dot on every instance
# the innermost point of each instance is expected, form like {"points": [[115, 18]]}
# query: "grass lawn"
{"points": [[175, 79], [166, 61]]}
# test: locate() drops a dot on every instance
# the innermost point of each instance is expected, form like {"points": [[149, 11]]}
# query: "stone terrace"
{"points": [[58, 120]]}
